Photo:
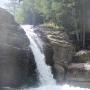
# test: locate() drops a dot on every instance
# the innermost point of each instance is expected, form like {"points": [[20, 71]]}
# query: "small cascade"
{"points": [[47, 82]]}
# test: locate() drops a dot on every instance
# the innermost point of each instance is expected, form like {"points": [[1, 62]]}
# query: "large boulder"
{"points": [[82, 56], [59, 50], [69, 66], [79, 75], [15, 54], [79, 72], [79, 69]]}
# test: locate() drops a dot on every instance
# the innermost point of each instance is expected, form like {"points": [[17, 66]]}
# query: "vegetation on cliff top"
{"points": [[69, 14]]}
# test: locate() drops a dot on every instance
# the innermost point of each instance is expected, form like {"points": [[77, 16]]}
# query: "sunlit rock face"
{"points": [[68, 65], [59, 48], [16, 59]]}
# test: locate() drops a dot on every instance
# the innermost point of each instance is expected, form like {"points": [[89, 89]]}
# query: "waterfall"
{"points": [[47, 82], [44, 71]]}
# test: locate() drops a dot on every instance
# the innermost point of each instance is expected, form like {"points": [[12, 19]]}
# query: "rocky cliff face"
{"points": [[61, 48], [17, 66], [15, 57], [69, 66]]}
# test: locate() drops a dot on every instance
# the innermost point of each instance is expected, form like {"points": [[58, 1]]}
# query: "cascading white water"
{"points": [[45, 75], [47, 81]]}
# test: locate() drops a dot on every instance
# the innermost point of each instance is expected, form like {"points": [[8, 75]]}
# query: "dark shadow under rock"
{"points": [[17, 62]]}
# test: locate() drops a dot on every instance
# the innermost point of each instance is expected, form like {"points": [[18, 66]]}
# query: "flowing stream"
{"points": [[47, 82]]}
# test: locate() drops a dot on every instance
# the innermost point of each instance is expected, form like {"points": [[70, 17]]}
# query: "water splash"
{"points": [[57, 87]]}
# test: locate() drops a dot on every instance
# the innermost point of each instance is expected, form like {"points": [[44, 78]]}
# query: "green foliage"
{"points": [[19, 16], [53, 26], [55, 11]]}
